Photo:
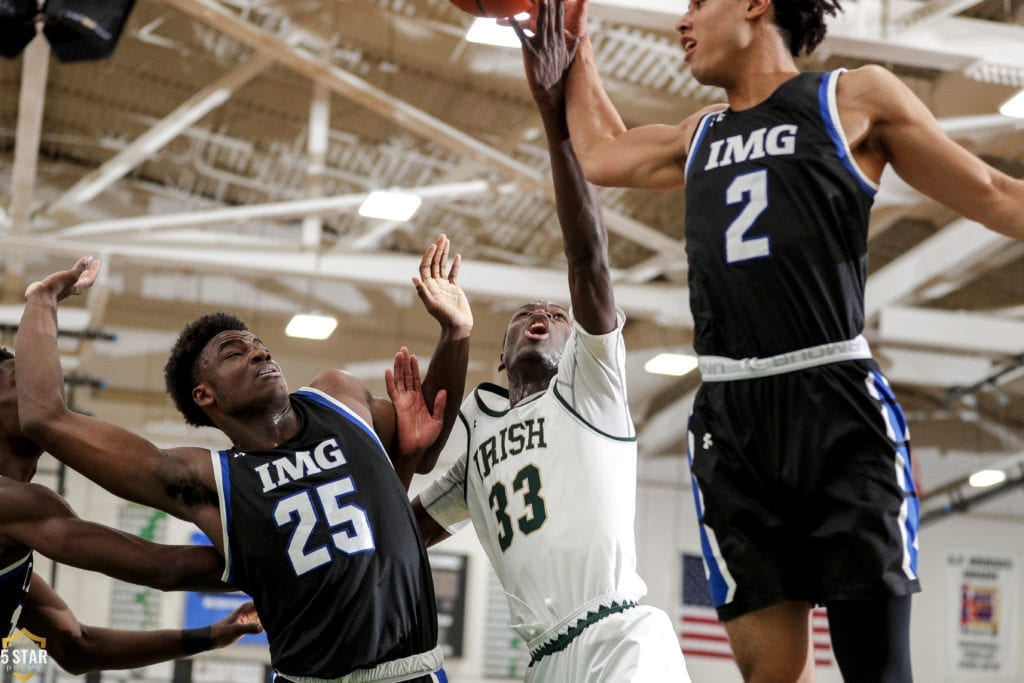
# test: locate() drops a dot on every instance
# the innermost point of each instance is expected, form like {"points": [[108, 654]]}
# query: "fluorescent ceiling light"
{"points": [[987, 478], [676, 364], [1014, 106], [391, 206], [488, 32], [311, 326]]}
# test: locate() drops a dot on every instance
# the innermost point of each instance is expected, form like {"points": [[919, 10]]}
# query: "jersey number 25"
{"points": [[353, 534]]}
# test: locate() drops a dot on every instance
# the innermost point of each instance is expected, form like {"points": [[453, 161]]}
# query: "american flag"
{"points": [[701, 634]]}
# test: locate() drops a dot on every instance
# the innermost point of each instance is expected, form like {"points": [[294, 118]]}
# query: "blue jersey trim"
{"points": [[225, 497], [335, 405], [899, 424], [698, 139], [832, 126]]}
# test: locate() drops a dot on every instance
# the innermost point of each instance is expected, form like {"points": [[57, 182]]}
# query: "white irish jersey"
{"points": [[550, 486]]}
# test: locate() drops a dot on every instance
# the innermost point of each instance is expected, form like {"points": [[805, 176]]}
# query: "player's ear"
{"points": [[756, 8], [501, 363], [202, 395]]}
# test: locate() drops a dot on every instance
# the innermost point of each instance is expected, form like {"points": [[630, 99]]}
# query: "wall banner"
{"points": [[983, 598]]}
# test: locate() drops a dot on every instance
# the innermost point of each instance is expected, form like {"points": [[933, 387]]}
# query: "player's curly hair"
{"points": [[5, 354], [802, 22], [181, 370]]}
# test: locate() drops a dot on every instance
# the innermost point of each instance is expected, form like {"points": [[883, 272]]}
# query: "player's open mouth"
{"points": [[688, 45], [268, 369], [538, 329]]}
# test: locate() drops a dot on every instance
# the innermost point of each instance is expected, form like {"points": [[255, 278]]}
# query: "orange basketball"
{"points": [[496, 9]]}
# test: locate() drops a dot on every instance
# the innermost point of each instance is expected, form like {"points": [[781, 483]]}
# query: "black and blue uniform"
{"points": [[803, 481], [15, 580], [320, 532]]}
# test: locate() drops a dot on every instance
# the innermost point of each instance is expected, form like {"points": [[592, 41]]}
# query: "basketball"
{"points": [[496, 9]]}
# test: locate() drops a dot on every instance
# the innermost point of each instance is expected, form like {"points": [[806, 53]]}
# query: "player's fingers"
{"points": [[453, 274], [425, 262], [414, 372]]}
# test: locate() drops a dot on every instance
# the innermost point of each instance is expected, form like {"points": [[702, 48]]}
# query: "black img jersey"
{"points": [[15, 580], [776, 225], [320, 532]]}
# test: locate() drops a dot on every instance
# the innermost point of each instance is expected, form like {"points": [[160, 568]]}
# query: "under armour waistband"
{"points": [[722, 369], [395, 671]]}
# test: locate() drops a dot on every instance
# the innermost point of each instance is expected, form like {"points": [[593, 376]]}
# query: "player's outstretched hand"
{"points": [[439, 288], [417, 425], [546, 56], [235, 625], [574, 26], [64, 283]]}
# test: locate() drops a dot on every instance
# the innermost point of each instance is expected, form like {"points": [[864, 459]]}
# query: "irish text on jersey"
{"points": [[510, 441]]}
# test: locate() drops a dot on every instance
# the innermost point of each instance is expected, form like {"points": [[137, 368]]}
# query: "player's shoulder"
{"points": [[869, 84], [342, 386], [688, 125]]}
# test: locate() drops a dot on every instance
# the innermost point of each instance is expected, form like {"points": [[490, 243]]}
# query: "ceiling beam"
{"points": [[189, 112], [296, 208], [962, 246], [31, 100], [958, 331], [481, 280]]}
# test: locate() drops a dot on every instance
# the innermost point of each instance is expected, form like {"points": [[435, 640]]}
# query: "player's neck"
{"points": [[759, 74], [261, 431]]}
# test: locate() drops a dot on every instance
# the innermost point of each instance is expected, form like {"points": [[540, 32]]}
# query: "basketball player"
{"points": [[306, 506], [33, 517], [546, 469], [799, 451]]}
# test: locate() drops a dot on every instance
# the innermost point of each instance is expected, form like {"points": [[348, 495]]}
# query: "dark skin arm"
{"points": [[584, 237], [36, 517], [179, 481], [80, 648], [432, 532]]}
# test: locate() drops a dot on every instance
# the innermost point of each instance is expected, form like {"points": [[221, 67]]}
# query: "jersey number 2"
{"points": [[354, 535], [528, 477], [752, 188]]}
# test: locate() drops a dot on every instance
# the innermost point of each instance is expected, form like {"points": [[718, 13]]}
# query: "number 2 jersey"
{"points": [[550, 486], [776, 225], [320, 532]]}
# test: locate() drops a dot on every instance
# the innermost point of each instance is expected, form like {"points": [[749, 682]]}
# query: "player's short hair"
{"points": [[802, 22], [5, 354], [182, 371]]}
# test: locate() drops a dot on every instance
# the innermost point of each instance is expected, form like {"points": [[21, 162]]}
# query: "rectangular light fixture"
{"points": [[311, 326], [488, 32], [390, 206], [1014, 106], [676, 364]]}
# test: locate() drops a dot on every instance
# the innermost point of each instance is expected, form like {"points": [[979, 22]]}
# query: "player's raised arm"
{"points": [[120, 461], [650, 156], [36, 517], [439, 290], [80, 648], [584, 238], [906, 135]]}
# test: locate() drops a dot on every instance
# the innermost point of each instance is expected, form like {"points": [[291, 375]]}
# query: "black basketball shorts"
{"points": [[803, 488]]}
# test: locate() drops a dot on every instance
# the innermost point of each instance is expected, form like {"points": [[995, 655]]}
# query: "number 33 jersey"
{"points": [[550, 486], [320, 532]]}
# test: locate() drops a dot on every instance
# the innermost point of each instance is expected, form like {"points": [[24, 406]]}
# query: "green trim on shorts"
{"points": [[563, 641]]}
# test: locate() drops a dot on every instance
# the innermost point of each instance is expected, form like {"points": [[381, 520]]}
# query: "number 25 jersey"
{"points": [[776, 225], [320, 532]]}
